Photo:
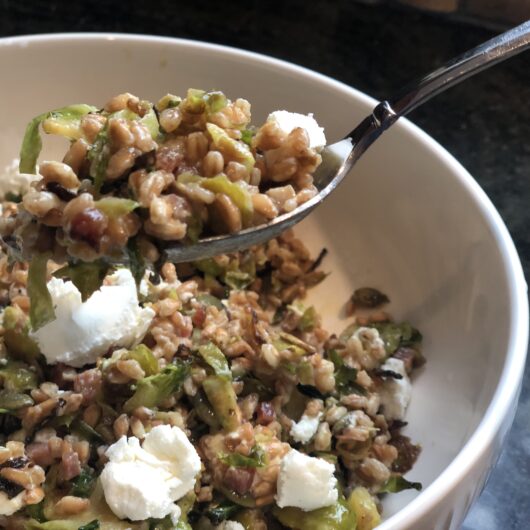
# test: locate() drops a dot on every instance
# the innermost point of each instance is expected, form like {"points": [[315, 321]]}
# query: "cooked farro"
{"points": [[232, 356]]}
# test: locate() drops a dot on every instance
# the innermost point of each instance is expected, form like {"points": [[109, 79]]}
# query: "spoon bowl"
{"points": [[339, 158]]}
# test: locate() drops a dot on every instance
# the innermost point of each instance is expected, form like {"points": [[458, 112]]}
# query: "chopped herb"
{"points": [[93, 525], [396, 484], [86, 276], [84, 483], [13, 197], [345, 377], [136, 260], [223, 511], [36, 511], [41, 310], [247, 135]]}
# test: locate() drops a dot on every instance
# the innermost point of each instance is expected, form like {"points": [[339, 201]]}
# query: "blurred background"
{"points": [[375, 46]]}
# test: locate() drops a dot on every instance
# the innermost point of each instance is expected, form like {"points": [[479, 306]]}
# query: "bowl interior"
{"points": [[404, 221]]}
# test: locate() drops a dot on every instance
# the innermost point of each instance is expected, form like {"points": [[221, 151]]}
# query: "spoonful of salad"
{"points": [[189, 178]]}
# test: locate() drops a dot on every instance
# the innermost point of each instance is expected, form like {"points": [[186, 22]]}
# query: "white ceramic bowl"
{"points": [[409, 220]]}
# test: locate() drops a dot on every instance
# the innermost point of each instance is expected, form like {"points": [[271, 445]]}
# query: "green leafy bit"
{"points": [[36, 511], [64, 121], [136, 263], [286, 341], [256, 458], [84, 483], [236, 192], [153, 390], [13, 197], [215, 101], [398, 483], [93, 525], [17, 376], [11, 400], [41, 309], [247, 135], [16, 339], [335, 517], [150, 121], [114, 207], [204, 411], [216, 359], [86, 276], [238, 279], [209, 266], [99, 156], [368, 297], [208, 299], [168, 101], [395, 335], [84, 431], [222, 398], [345, 377], [308, 320], [145, 358], [230, 148], [221, 512]]}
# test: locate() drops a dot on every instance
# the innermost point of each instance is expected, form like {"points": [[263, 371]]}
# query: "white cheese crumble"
{"points": [[306, 482], [83, 331], [395, 393], [230, 525], [305, 428], [143, 482], [287, 121], [11, 180]]}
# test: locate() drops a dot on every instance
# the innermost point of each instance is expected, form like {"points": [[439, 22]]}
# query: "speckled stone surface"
{"points": [[484, 123]]}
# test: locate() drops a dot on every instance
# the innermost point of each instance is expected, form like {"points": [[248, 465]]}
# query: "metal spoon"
{"points": [[339, 158]]}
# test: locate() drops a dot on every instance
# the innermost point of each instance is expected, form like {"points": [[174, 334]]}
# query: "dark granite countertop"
{"points": [[484, 123]]}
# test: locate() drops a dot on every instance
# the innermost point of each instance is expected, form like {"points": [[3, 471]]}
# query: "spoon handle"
{"points": [[469, 63]]}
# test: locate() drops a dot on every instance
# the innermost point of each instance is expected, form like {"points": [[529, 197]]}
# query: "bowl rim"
{"points": [[506, 393]]}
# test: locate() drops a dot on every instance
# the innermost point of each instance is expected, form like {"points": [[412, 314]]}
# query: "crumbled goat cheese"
{"points": [[230, 525], [306, 482], [143, 482], [83, 331], [287, 121], [306, 428], [395, 393], [11, 180]]}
